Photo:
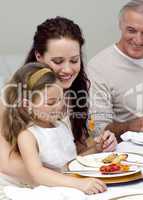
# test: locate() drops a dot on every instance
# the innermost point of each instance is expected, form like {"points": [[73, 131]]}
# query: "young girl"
{"points": [[32, 125]]}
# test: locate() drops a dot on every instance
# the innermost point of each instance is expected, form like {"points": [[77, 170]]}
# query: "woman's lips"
{"points": [[65, 78]]}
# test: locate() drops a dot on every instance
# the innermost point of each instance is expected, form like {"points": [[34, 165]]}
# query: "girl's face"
{"points": [[48, 105], [63, 56]]}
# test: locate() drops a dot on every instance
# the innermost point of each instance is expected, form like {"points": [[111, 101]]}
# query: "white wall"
{"points": [[97, 18], [18, 20]]}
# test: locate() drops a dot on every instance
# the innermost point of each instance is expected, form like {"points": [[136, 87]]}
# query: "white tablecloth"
{"points": [[118, 189], [130, 147]]}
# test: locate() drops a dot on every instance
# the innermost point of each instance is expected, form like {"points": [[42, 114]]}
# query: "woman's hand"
{"points": [[109, 141], [106, 142]]}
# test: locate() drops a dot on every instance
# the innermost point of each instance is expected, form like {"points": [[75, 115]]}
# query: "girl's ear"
{"points": [[26, 103]]}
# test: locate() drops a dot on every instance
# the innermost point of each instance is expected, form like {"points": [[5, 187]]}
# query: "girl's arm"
{"points": [[12, 165], [44, 176], [40, 174]]}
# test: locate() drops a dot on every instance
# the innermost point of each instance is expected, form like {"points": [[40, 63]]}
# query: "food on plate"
{"points": [[114, 164], [120, 157], [109, 158], [114, 168], [115, 158]]}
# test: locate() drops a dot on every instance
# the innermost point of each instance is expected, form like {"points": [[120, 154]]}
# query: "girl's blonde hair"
{"points": [[16, 118]]}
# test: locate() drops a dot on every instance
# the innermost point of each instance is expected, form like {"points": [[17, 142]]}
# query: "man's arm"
{"points": [[121, 127], [102, 99]]}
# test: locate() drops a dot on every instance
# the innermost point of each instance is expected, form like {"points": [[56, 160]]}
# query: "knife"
{"points": [[133, 162], [94, 171], [80, 171]]}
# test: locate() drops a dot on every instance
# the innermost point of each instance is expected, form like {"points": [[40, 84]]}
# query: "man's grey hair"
{"points": [[134, 5]]}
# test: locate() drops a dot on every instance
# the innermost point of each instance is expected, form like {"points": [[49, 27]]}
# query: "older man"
{"points": [[117, 76]]}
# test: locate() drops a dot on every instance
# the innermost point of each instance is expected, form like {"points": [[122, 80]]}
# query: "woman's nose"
{"points": [[66, 68]]}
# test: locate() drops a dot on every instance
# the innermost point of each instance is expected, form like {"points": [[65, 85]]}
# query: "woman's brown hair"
{"points": [[56, 28], [16, 118]]}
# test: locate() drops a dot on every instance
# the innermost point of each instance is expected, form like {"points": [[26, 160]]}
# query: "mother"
{"points": [[59, 42]]}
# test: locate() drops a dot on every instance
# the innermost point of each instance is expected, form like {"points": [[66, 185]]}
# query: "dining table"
{"points": [[116, 191], [128, 189]]}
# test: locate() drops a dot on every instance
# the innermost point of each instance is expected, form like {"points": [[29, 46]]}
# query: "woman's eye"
{"points": [[58, 62], [74, 61]]}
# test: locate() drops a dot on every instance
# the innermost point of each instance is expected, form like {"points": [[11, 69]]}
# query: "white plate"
{"points": [[76, 166]]}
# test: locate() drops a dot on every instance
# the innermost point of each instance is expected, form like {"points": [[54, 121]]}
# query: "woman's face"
{"points": [[63, 56]]}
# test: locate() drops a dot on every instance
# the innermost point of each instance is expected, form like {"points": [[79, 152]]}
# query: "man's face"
{"points": [[131, 42]]}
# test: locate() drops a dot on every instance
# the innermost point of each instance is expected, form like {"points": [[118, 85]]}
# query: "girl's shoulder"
{"points": [[26, 140], [25, 135]]}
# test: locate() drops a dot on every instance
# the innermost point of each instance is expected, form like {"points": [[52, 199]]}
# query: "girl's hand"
{"points": [[90, 185], [109, 141]]}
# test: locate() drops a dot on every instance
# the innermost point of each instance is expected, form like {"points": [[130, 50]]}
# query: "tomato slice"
{"points": [[110, 168]]}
